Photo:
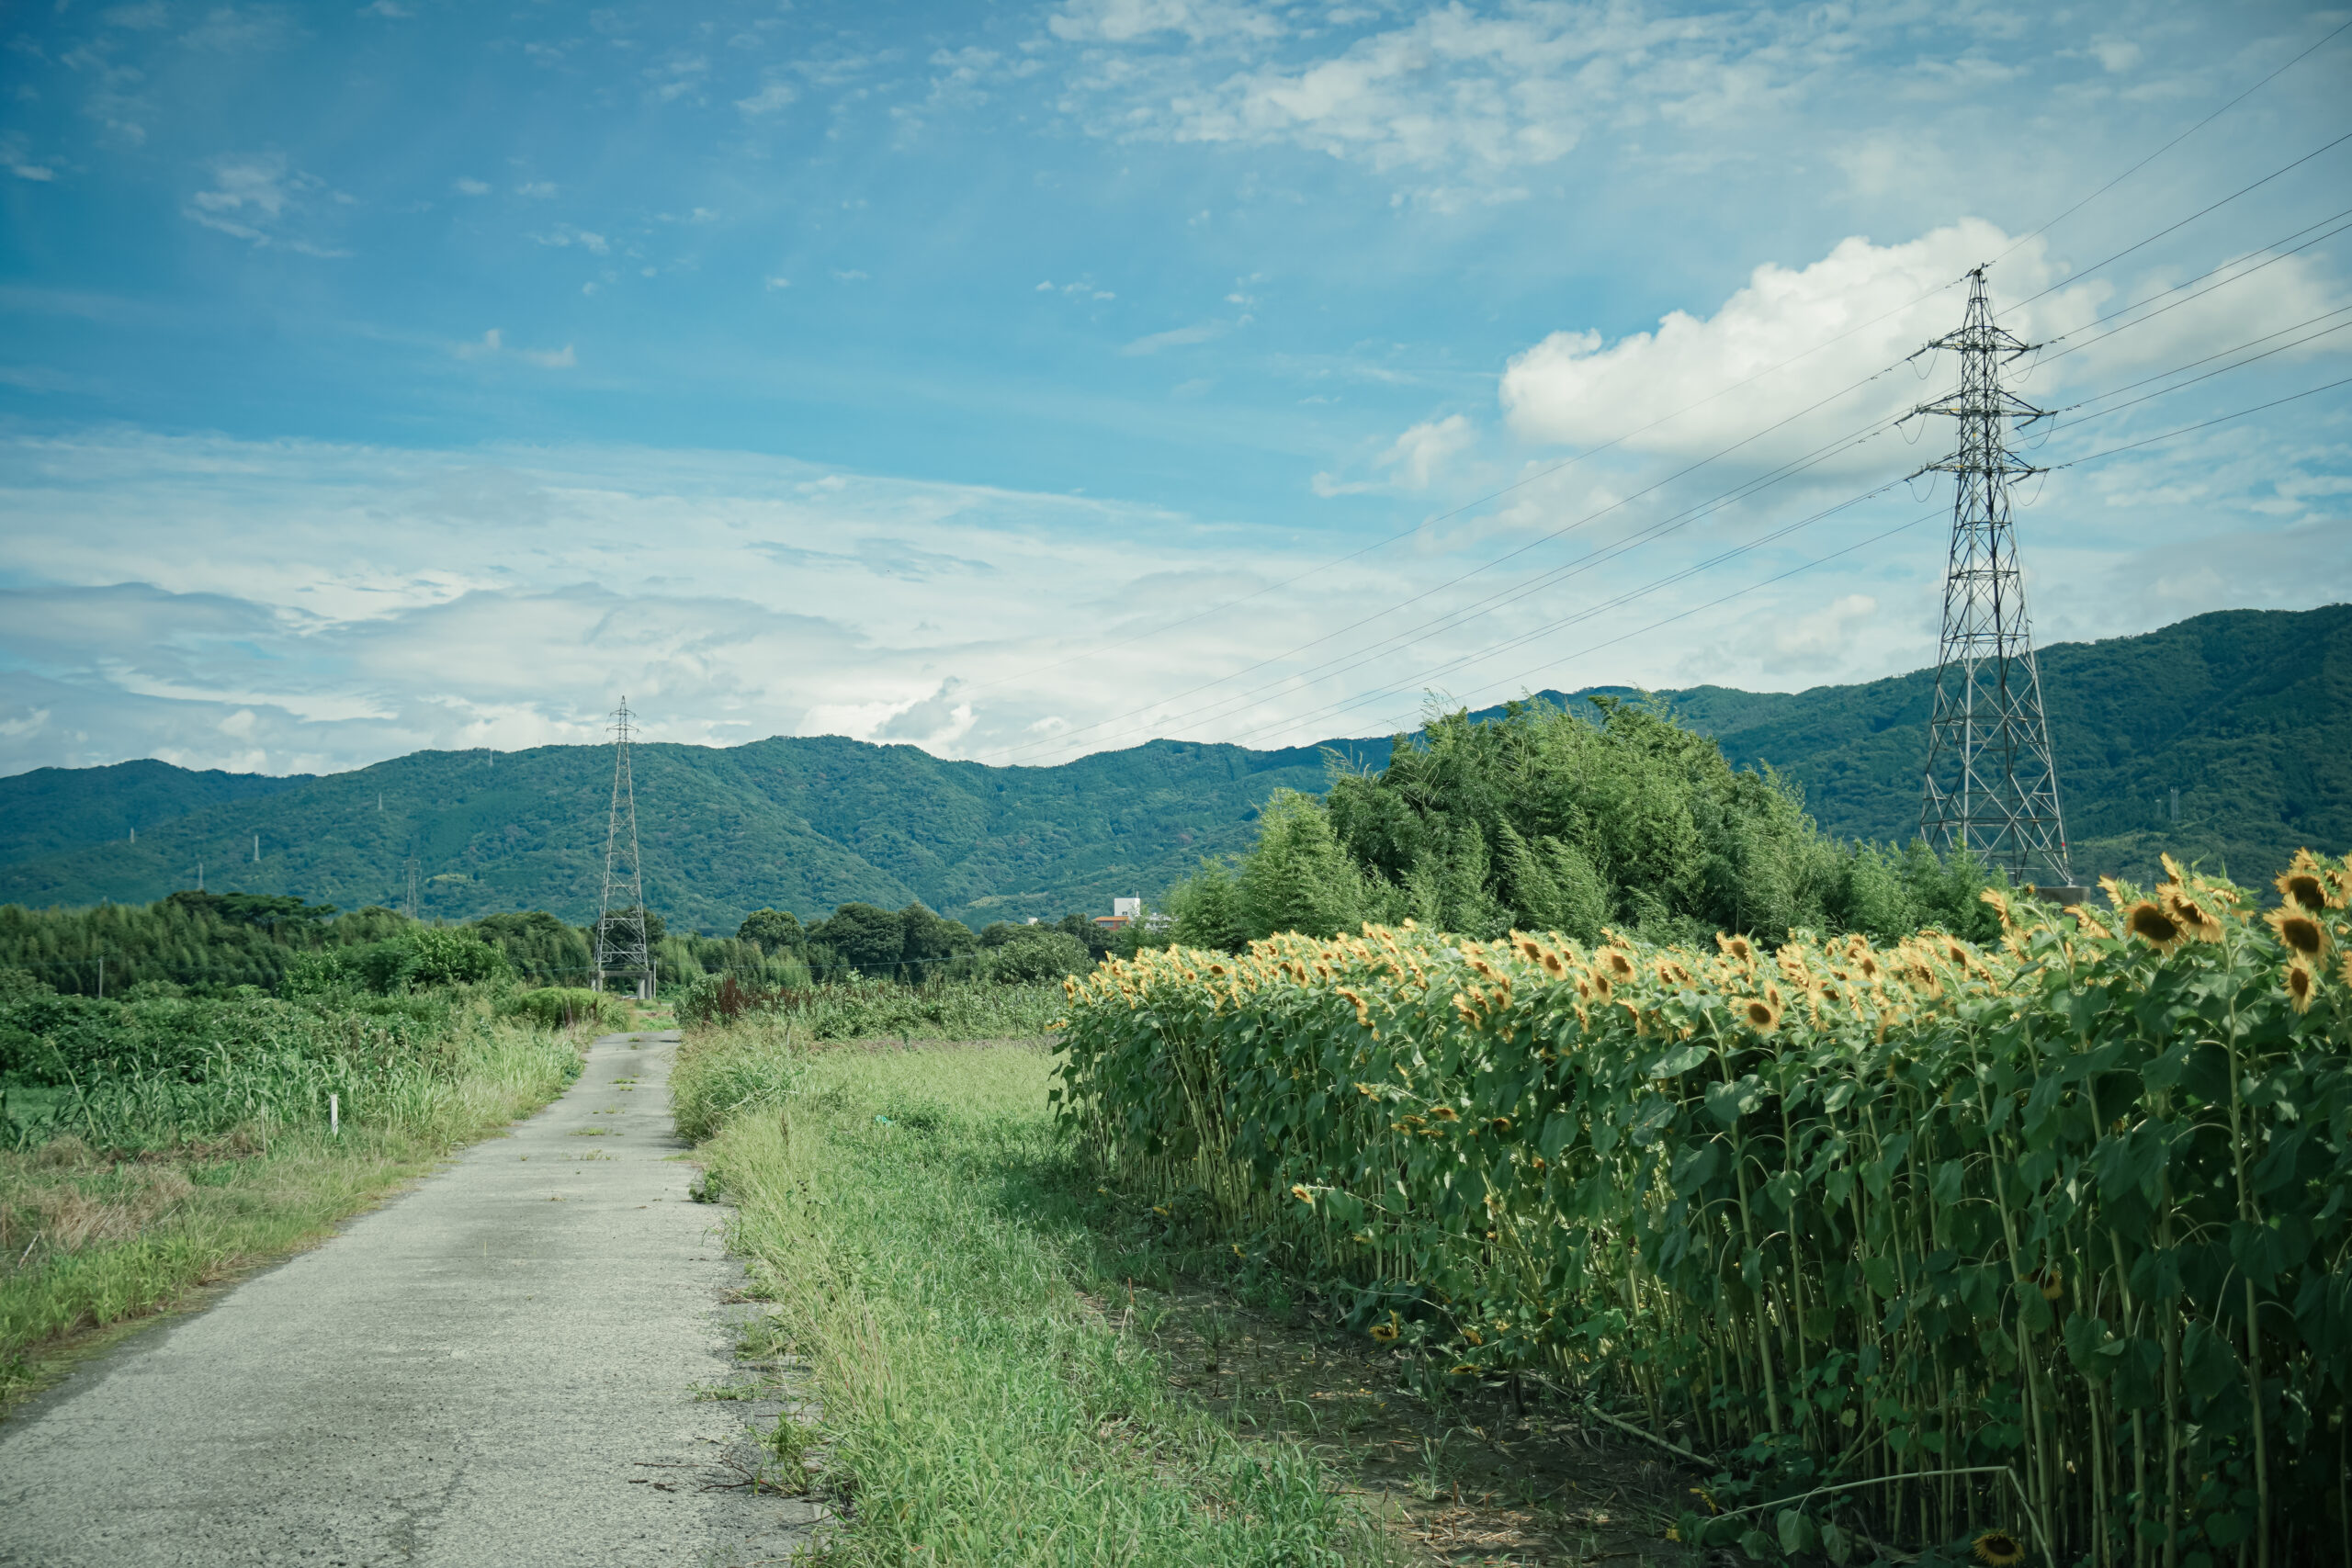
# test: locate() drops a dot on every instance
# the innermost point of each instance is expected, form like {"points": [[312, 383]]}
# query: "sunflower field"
{"points": [[2040, 1245]]}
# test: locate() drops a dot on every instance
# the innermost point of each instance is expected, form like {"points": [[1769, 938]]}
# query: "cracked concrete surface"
{"points": [[497, 1368]]}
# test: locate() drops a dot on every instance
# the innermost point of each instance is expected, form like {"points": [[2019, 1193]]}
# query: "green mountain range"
{"points": [[2247, 714]]}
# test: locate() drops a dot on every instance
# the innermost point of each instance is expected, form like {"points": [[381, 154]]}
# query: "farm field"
{"points": [[2032, 1248]]}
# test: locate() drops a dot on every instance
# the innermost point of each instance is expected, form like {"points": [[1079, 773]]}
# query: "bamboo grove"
{"points": [[2044, 1240]]}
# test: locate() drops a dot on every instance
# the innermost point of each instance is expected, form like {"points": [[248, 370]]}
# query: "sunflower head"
{"points": [[1499, 1125], [1867, 961], [2000, 1548], [2298, 934], [1601, 985], [1618, 962], [1736, 947], [1444, 1113], [1383, 1332], [2194, 918], [2172, 869], [2299, 888], [2301, 986], [1554, 966], [1305, 1194], [1760, 1014], [1528, 948], [2146, 920]]}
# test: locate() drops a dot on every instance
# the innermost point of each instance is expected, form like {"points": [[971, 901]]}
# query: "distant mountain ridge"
{"points": [[2247, 713]]}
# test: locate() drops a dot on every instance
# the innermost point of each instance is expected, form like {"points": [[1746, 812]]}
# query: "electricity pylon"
{"points": [[1990, 786], [621, 944]]}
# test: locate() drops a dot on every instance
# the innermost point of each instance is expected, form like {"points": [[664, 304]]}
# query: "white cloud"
{"points": [[256, 197], [16, 157], [1123, 21], [564, 235], [539, 190], [493, 343], [775, 94], [1417, 455], [1179, 337], [468, 186], [1857, 311]]}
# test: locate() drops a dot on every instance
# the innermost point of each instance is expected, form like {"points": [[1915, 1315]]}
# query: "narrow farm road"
{"points": [[497, 1368]]}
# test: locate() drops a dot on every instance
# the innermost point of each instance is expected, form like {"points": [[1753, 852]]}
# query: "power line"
{"points": [[1452, 582], [2176, 140], [2072, 278], [1479, 655]]}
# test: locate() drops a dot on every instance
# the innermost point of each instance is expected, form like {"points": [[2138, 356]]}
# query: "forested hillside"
{"points": [[2248, 714]]}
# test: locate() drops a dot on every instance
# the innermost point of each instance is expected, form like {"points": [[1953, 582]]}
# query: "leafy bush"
{"points": [[2052, 1232]]}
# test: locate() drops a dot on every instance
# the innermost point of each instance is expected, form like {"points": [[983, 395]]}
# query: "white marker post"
{"points": [[334, 1115]]}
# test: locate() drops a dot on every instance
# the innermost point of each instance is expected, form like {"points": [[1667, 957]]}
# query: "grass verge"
{"points": [[922, 1233], [90, 1238]]}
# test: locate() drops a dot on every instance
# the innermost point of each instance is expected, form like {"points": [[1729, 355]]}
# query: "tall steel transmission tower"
{"points": [[1991, 787], [621, 944]]}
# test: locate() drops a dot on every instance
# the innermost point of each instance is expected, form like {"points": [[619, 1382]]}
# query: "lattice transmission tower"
{"points": [[621, 944], [1991, 786]]}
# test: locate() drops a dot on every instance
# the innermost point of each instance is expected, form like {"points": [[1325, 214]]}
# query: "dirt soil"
{"points": [[1468, 1475]]}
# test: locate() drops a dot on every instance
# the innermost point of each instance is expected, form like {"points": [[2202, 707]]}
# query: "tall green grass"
{"points": [[916, 1219], [882, 1010]]}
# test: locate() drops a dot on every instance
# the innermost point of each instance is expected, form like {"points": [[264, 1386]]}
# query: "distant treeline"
{"points": [[205, 944]]}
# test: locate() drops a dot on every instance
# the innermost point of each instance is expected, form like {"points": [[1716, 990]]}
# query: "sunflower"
{"points": [[1465, 1370], [1219, 969], [1528, 948], [1554, 966], [1867, 961], [2161, 930], [2000, 1548], [2301, 986], [1444, 1113], [2302, 888], [1383, 1332], [2302, 935], [2172, 868], [1601, 986], [2192, 915], [1500, 1125], [1736, 947], [1999, 901], [1760, 1014], [1619, 963]]}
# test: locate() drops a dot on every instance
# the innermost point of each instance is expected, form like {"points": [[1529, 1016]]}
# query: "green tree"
{"points": [[776, 931], [863, 937]]}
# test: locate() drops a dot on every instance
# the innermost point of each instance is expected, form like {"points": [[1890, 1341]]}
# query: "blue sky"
{"points": [[1020, 381]]}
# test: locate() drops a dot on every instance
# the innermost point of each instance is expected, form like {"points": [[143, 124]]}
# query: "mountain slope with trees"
{"points": [[2248, 714]]}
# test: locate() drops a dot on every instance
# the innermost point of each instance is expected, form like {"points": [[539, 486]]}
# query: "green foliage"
{"points": [[912, 944], [1034, 955], [882, 1009], [775, 930], [2072, 1215], [1545, 819], [749, 1068], [567, 1007]]}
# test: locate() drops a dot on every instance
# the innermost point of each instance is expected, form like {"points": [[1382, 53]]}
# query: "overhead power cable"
{"points": [[2072, 278], [2176, 140], [1452, 582], [1479, 655]]}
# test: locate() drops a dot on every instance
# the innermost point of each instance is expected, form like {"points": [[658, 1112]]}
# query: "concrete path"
{"points": [[497, 1369]]}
